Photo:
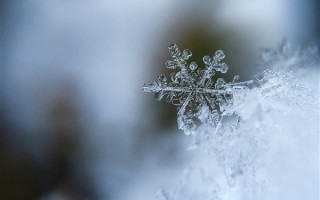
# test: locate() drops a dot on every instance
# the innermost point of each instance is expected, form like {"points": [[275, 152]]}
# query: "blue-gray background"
{"points": [[75, 123]]}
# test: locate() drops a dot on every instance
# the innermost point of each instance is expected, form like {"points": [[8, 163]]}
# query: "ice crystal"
{"points": [[245, 126], [194, 90]]}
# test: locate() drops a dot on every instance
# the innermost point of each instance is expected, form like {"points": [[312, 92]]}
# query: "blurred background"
{"points": [[75, 123]]}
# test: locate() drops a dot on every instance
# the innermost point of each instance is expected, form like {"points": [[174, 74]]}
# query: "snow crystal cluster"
{"points": [[246, 127]]}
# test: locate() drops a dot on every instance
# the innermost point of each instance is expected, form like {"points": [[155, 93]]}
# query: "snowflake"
{"points": [[194, 91], [275, 111]]}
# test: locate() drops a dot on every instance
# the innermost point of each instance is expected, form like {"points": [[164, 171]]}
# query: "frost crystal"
{"points": [[279, 127], [194, 91]]}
